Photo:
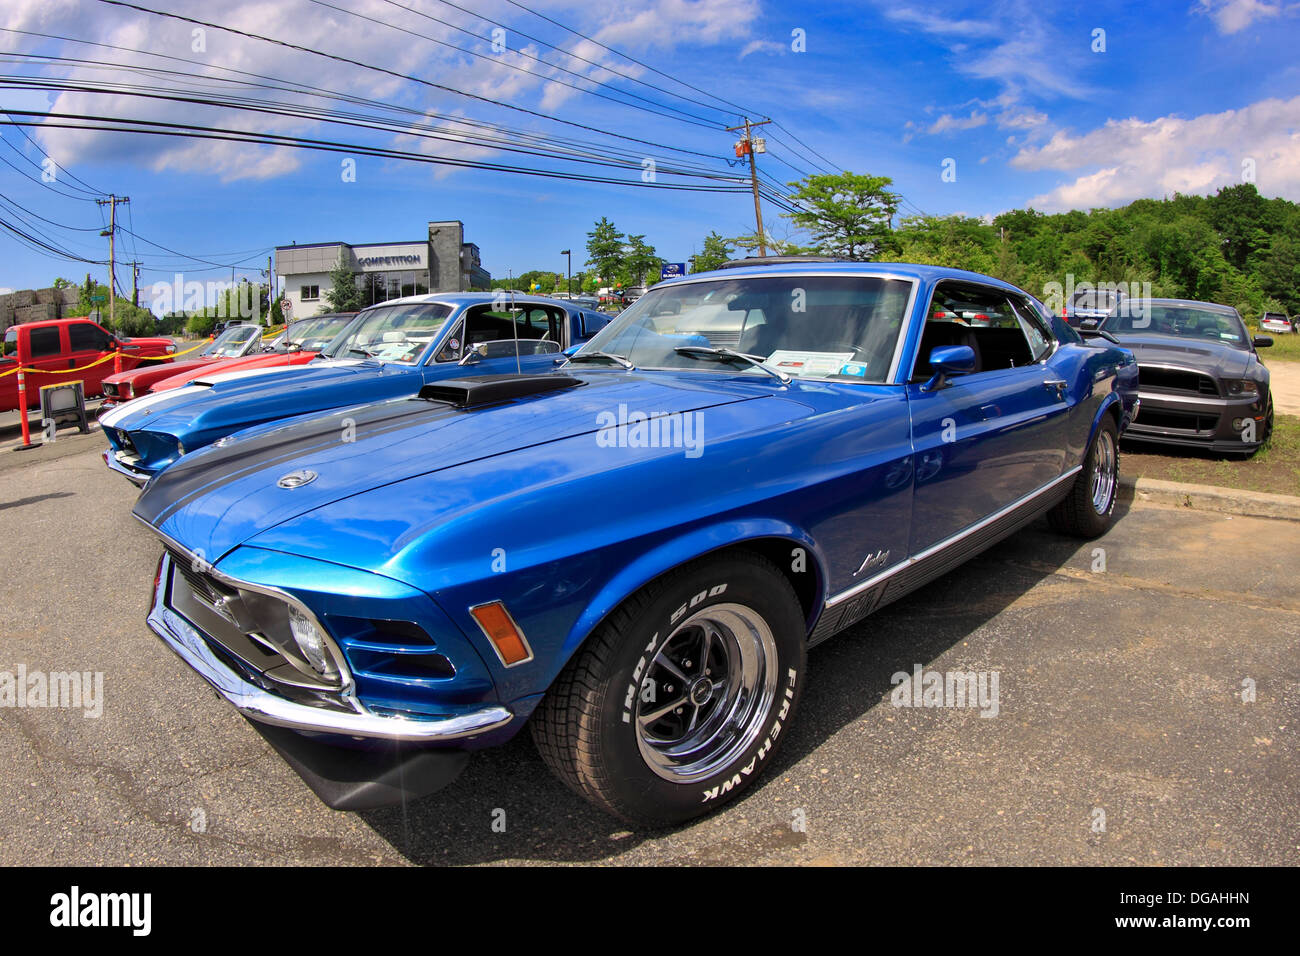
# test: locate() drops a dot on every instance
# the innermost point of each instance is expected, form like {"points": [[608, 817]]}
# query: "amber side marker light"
{"points": [[503, 632]]}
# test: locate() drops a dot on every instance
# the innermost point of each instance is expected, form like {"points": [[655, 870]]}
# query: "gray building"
{"points": [[441, 262]]}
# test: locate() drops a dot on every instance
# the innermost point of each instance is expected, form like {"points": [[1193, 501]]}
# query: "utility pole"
{"points": [[112, 203], [135, 284], [750, 146], [568, 254], [270, 290]]}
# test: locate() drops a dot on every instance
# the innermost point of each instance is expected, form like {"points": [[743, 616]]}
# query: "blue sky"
{"points": [[1014, 94]]}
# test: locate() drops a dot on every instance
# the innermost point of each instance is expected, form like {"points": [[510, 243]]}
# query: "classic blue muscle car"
{"points": [[388, 350], [632, 553]]}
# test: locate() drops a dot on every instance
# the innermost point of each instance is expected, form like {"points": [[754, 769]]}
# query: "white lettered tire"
{"points": [[678, 701]]}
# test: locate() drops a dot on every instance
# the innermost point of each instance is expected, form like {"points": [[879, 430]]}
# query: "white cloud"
{"points": [[1233, 16], [648, 29], [1130, 159], [948, 122], [761, 46]]}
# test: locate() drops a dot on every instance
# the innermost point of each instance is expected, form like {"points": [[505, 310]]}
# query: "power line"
{"points": [[602, 66], [378, 69], [196, 131], [740, 110]]}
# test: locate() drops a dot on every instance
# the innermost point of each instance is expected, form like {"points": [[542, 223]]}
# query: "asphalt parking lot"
{"points": [[1121, 734]]}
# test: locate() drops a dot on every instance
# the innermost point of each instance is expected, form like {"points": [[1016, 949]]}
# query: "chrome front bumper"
{"points": [[268, 708], [120, 462]]}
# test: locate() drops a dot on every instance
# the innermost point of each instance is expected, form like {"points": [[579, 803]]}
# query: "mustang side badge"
{"points": [[296, 479], [872, 562]]}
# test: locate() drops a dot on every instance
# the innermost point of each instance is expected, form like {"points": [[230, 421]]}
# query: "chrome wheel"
{"points": [[707, 693], [1103, 472]]}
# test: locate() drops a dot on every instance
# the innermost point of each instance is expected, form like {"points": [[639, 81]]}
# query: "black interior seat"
{"points": [[941, 335]]}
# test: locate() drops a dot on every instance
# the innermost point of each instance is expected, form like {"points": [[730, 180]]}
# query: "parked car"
{"points": [[634, 552], [388, 351], [236, 341], [1201, 381], [299, 344], [1277, 322], [1089, 306], [61, 349]]}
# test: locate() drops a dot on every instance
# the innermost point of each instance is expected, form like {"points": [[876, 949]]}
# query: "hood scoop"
{"points": [[479, 390]]}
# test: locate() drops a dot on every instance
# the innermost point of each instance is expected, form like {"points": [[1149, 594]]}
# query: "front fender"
{"points": [[681, 550]]}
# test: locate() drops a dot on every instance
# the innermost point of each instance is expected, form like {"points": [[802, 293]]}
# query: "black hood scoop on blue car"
{"points": [[479, 390]]}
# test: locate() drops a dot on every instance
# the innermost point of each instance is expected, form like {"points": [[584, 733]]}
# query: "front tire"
{"points": [[1088, 510], [677, 702]]}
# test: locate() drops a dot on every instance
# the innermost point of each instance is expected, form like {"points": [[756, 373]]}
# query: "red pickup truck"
{"points": [[61, 346]]}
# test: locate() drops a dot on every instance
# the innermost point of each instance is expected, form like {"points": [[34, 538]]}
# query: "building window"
{"points": [[310, 293]]}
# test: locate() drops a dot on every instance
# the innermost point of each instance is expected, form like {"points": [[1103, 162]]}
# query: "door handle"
{"points": [[1056, 385]]}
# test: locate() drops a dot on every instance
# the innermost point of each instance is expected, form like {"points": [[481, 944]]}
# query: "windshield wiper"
{"points": [[730, 355], [617, 359], [364, 352]]}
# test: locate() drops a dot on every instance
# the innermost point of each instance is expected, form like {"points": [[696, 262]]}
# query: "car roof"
{"points": [[459, 300], [1189, 303], [904, 270]]}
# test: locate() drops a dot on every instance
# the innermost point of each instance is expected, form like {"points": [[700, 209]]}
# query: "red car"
{"points": [[68, 350], [297, 346], [235, 342]]}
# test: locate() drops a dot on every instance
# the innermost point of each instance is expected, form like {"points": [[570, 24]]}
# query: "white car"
{"points": [[1276, 322]]}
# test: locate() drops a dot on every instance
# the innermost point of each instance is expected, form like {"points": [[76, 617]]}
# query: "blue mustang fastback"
{"points": [[387, 351], [634, 552]]}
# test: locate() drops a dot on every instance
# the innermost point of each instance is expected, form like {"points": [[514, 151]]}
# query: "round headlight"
{"points": [[309, 640]]}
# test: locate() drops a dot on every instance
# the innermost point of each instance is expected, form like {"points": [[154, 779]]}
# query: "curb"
{"points": [[1254, 504]]}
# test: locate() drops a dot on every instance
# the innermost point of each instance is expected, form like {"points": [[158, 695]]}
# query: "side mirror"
{"points": [[1262, 341], [949, 360], [473, 355]]}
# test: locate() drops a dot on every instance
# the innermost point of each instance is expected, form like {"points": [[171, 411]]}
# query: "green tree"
{"points": [[344, 295], [847, 215], [641, 261], [714, 253], [605, 251]]}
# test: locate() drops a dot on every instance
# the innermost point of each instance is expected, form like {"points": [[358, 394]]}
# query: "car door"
{"points": [[86, 343], [985, 440], [47, 353]]}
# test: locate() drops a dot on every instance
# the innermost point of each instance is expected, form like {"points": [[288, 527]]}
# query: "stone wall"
{"points": [[37, 305]]}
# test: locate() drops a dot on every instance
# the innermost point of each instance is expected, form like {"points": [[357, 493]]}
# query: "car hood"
{"points": [[1213, 358], [240, 399], [165, 370], [218, 498]]}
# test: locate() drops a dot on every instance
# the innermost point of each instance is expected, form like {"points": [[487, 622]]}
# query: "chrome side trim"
{"points": [[948, 542], [260, 705]]}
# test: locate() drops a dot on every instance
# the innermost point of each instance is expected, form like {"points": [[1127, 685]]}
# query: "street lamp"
{"points": [[569, 254]]}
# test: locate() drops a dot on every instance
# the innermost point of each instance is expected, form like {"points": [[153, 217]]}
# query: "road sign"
{"points": [[672, 270], [98, 298]]}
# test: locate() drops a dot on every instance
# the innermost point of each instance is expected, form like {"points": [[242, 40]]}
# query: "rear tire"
{"points": [[1088, 510], [677, 702]]}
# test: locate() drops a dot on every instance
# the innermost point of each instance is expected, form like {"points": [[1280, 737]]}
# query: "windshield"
{"points": [[1179, 321], [10, 344], [393, 333], [231, 343], [810, 326], [312, 335]]}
